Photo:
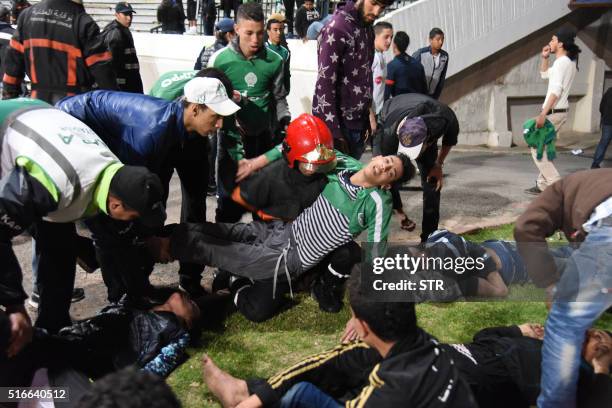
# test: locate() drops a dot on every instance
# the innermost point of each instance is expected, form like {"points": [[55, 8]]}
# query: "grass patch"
{"points": [[247, 349]]}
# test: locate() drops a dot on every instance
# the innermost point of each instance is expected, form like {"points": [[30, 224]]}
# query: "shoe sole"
{"points": [[85, 266]]}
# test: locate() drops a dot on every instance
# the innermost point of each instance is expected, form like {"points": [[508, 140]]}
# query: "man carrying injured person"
{"points": [[354, 200]]}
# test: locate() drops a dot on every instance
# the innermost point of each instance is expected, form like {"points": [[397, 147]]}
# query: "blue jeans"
{"points": [[600, 152], [354, 139], [306, 395], [513, 268], [583, 294], [324, 6]]}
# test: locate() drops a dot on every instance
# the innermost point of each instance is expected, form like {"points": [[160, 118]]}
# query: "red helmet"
{"points": [[308, 140]]}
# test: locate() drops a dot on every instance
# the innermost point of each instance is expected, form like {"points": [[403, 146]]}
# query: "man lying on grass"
{"points": [[501, 263], [351, 202], [120, 335], [395, 363], [502, 365]]}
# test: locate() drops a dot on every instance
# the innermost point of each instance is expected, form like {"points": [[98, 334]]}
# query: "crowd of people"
{"points": [[83, 144], [171, 15]]}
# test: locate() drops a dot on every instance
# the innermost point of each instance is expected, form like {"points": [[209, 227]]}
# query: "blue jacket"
{"points": [[405, 75], [141, 130]]}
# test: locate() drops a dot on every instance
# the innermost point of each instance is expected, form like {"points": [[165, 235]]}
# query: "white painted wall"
{"points": [[475, 29]]}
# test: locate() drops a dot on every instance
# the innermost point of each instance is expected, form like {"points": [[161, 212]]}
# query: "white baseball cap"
{"points": [[210, 92]]}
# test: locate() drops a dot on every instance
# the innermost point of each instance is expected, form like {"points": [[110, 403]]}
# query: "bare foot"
{"points": [[230, 390]]}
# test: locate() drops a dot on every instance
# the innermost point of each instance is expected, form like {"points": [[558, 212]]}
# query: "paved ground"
{"points": [[483, 187]]}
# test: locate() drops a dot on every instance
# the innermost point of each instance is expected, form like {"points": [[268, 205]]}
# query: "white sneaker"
{"points": [[193, 30]]}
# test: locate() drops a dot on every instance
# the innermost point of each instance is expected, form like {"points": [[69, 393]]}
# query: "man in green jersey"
{"points": [[258, 75]]}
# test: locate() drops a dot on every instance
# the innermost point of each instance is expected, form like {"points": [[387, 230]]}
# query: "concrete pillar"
{"points": [[586, 117], [499, 135]]}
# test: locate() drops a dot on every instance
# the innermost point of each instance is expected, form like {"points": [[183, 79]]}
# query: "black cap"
{"points": [[142, 191], [124, 7], [566, 35], [4, 13]]}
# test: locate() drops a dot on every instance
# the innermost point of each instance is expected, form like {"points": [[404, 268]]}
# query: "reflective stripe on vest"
{"points": [[69, 152]]}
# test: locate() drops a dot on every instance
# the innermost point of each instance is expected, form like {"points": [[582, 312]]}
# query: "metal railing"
{"points": [[277, 6]]}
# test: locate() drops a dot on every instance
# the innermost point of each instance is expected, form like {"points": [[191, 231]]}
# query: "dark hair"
{"points": [[572, 52], [408, 169], [272, 21], [382, 25], [5, 14], [220, 75], [17, 7], [401, 41], [435, 31], [390, 321], [250, 11], [129, 388], [220, 36]]}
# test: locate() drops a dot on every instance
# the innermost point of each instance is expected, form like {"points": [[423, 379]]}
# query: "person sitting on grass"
{"points": [[395, 363], [352, 201]]}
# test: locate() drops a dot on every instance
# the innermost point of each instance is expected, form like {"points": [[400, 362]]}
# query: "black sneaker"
{"points": [[194, 289], [78, 294], [221, 280], [533, 190], [328, 297], [211, 190], [34, 300]]}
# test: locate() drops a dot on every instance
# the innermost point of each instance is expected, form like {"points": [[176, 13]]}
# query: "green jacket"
{"points": [[286, 55], [538, 138], [170, 85], [370, 211], [260, 81]]}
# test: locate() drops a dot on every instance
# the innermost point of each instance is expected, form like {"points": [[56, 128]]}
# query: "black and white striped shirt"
{"points": [[321, 228]]}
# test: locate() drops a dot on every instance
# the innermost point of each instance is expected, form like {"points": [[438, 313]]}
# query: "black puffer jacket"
{"points": [[119, 336], [280, 191]]}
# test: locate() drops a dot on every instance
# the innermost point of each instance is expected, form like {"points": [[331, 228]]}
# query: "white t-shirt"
{"points": [[560, 77], [379, 74]]}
